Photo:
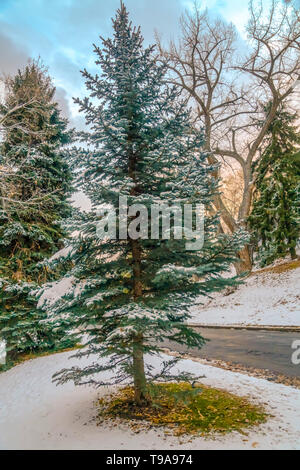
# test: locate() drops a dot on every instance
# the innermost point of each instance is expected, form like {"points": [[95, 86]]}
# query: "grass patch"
{"points": [[280, 268], [184, 409]]}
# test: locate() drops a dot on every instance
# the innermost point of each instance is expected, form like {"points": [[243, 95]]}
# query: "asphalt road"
{"points": [[262, 349]]}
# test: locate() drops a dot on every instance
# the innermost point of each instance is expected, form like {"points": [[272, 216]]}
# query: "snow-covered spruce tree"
{"points": [[131, 294], [35, 184], [275, 220]]}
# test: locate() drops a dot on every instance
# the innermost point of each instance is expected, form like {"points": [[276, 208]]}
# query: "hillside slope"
{"points": [[267, 297]]}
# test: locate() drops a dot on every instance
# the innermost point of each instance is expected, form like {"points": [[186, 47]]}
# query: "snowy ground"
{"points": [[35, 414], [266, 298]]}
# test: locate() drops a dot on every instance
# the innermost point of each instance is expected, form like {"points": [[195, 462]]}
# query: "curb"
{"points": [[248, 327]]}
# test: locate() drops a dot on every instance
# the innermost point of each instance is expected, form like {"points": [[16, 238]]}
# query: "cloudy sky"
{"points": [[61, 32]]}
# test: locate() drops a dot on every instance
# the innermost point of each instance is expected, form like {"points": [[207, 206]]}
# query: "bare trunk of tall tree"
{"points": [[245, 263]]}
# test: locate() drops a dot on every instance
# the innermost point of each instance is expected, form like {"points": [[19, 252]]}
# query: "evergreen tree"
{"points": [[131, 294], [275, 217], [36, 186]]}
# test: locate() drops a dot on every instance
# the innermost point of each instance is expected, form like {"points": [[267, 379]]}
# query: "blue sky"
{"points": [[62, 33]]}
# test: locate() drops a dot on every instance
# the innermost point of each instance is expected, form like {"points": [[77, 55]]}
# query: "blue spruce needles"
{"points": [[130, 295]]}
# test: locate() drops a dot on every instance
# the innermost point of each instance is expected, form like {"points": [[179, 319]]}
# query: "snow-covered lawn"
{"points": [[266, 298], [35, 414]]}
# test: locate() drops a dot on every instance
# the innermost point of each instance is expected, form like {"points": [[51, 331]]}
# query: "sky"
{"points": [[62, 32]]}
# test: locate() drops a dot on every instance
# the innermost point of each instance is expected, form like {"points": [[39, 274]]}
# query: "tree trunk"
{"points": [[139, 377], [139, 371], [293, 253], [138, 353], [245, 263]]}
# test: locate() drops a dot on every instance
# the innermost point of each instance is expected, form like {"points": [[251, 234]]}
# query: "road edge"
{"points": [[289, 328]]}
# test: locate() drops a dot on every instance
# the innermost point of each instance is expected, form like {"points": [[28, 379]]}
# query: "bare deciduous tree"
{"points": [[228, 93]]}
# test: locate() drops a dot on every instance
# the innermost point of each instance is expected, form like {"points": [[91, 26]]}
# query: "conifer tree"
{"points": [[130, 294], [274, 219], [35, 188]]}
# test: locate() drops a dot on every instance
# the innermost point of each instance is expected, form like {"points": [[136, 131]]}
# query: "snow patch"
{"points": [[35, 414], [55, 290], [265, 298]]}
